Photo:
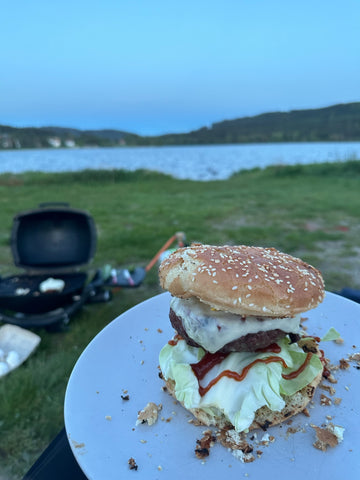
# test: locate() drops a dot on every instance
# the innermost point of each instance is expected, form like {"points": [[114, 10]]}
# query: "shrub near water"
{"points": [[309, 211]]}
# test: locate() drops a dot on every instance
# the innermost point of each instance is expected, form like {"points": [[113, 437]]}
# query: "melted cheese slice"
{"points": [[212, 329]]}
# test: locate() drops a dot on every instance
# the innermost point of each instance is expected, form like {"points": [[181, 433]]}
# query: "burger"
{"points": [[237, 359]]}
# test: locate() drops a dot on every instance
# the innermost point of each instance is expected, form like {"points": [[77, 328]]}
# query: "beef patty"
{"points": [[248, 343]]}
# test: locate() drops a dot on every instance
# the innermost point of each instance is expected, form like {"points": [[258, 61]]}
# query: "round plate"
{"points": [[117, 375]]}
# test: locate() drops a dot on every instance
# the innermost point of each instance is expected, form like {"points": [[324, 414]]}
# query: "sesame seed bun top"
{"points": [[243, 280]]}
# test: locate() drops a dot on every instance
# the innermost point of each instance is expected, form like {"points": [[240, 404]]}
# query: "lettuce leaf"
{"points": [[237, 400], [331, 334]]}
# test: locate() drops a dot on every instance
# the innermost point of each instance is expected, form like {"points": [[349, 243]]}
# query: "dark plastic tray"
{"points": [[21, 293]]}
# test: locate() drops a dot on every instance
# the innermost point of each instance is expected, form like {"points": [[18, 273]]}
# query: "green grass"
{"points": [[309, 211]]}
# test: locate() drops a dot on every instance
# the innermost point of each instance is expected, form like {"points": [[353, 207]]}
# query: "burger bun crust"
{"points": [[243, 280]]}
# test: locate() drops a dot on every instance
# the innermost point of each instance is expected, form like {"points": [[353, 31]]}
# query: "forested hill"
{"points": [[336, 123]]}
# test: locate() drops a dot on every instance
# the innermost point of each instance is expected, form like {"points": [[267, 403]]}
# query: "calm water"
{"points": [[196, 162]]}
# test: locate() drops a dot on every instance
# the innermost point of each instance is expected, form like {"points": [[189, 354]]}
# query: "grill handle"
{"points": [[54, 204]]}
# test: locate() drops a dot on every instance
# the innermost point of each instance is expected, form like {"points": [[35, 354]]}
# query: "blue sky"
{"points": [[160, 66]]}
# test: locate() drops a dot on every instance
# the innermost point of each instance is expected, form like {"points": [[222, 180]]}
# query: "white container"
{"points": [[16, 344]]}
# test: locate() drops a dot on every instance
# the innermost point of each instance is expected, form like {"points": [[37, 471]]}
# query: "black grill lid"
{"points": [[53, 237]]}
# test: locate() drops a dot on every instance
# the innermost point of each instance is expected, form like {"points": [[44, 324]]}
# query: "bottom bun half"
{"points": [[264, 417]]}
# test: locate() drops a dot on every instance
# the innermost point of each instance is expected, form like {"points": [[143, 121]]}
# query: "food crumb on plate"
{"points": [[237, 444], [132, 464], [344, 364], [202, 449], [325, 401], [149, 414], [331, 390], [328, 436]]}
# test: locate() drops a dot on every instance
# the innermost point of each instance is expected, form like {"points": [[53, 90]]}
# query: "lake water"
{"points": [[215, 162]]}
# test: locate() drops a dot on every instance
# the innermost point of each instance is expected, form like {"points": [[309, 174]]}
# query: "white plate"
{"points": [[123, 359]]}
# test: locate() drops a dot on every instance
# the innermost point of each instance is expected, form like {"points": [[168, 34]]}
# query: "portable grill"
{"points": [[50, 243]]}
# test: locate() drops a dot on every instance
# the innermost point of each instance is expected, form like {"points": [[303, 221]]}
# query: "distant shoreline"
{"points": [[337, 123], [93, 147]]}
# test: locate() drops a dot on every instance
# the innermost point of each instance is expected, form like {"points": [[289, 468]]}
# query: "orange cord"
{"points": [[179, 236]]}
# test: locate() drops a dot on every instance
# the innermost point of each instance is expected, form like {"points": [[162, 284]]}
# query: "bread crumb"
{"points": [[324, 400], [331, 390], [78, 445], [132, 464], [196, 422], [108, 417], [202, 449], [266, 439], [331, 378], [329, 436], [337, 401], [308, 344], [354, 357], [238, 444], [344, 365], [149, 414], [292, 430], [243, 457]]}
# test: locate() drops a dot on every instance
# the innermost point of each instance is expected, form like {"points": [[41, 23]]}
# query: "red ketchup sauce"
{"points": [[297, 372], [210, 360], [273, 348], [175, 340], [326, 371], [238, 376]]}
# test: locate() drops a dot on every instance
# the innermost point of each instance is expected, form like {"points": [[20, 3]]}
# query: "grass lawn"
{"points": [[308, 211]]}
